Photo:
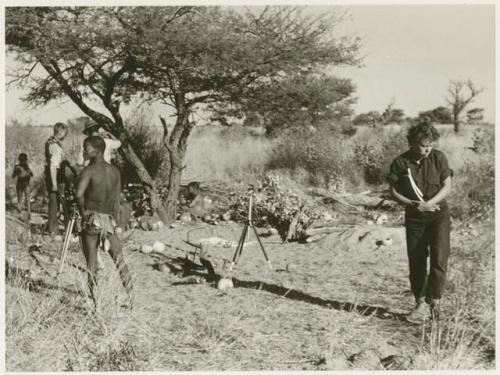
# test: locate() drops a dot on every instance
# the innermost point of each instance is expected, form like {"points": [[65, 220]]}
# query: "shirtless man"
{"points": [[98, 197]]}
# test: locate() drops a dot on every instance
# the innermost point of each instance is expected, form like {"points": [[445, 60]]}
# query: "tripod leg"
{"points": [[245, 234], [262, 247], [65, 239], [239, 247], [243, 238], [67, 236]]}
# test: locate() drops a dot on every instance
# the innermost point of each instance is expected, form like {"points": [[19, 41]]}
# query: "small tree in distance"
{"points": [[460, 94]]}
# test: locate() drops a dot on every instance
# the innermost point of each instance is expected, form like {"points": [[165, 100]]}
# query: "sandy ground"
{"points": [[338, 303]]}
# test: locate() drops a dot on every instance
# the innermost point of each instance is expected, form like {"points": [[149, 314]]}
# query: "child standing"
{"points": [[23, 174]]}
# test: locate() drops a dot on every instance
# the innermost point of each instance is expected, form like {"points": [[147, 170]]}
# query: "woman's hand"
{"points": [[426, 207]]}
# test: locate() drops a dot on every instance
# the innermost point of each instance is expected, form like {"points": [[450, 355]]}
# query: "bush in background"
{"points": [[325, 155], [148, 141], [374, 153], [473, 192]]}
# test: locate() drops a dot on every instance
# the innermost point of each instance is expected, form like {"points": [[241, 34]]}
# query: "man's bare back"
{"points": [[98, 198], [102, 193]]}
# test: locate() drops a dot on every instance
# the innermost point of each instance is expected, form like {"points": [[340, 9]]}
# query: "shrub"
{"points": [[375, 154], [325, 154], [148, 143], [473, 192], [483, 141]]}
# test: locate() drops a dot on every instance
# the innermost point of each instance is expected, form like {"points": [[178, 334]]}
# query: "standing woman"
{"points": [[420, 180]]}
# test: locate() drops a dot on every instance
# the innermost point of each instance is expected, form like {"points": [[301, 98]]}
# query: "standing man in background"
{"points": [[54, 174], [112, 143]]}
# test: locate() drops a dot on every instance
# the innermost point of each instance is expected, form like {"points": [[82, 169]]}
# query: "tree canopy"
{"points": [[182, 56]]}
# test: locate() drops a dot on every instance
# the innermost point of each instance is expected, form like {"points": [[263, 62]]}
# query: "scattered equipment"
{"points": [[71, 213]]}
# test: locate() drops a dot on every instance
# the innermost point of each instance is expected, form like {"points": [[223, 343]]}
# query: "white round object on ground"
{"points": [[207, 218], [272, 231], [158, 246], [185, 217], [154, 226], [118, 230], [226, 216], [173, 226], [387, 241], [146, 249], [382, 219], [162, 267], [159, 224], [224, 283]]}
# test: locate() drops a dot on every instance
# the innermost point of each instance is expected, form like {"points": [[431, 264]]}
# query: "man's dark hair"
{"points": [[96, 142], [423, 129], [23, 157]]}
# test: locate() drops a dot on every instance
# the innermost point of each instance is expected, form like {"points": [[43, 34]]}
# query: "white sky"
{"points": [[412, 51]]}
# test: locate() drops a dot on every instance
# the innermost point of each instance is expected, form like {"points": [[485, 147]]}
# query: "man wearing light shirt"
{"points": [[54, 174], [112, 143]]}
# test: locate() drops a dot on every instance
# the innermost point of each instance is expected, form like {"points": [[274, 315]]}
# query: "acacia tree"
{"points": [[182, 56], [302, 100], [460, 94]]}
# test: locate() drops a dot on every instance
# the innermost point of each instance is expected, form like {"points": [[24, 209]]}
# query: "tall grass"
{"points": [[226, 154], [53, 328], [330, 160], [465, 336]]}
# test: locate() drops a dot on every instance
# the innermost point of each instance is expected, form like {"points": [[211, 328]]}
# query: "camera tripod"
{"points": [[71, 215], [241, 242]]}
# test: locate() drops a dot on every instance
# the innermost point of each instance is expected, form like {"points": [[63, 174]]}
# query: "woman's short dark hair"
{"points": [[423, 129]]}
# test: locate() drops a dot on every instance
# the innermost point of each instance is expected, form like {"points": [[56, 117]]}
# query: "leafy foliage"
{"points": [[375, 155], [183, 56], [371, 118], [440, 115], [300, 100], [393, 115], [323, 154], [273, 206]]}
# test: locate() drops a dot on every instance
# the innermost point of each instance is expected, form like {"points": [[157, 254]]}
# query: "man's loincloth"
{"points": [[100, 224]]}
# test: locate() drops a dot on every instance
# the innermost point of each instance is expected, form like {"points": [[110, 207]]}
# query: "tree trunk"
{"points": [[456, 122], [174, 183], [147, 182], [117, 128], [176, 146]]}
